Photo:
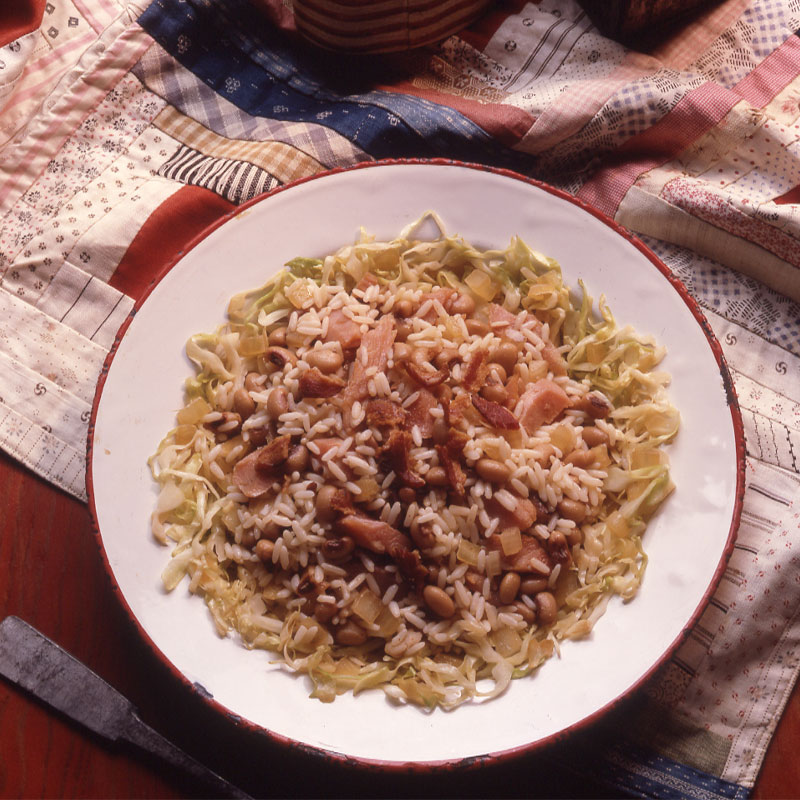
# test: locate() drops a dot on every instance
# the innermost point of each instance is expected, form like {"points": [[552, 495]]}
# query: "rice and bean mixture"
{"points": [[414, 465]]}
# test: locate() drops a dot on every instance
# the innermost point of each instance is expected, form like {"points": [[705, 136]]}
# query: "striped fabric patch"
{"points": [[396, 25], [284, 162], [236, 181]]}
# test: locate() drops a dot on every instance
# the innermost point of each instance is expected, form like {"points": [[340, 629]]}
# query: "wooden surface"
{"points": [[51, 575]]}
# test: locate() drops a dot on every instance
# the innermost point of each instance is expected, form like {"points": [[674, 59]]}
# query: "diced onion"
{"points": [[468, 552], [194, 412], [367, 606], [481, 284], [511, 541]]}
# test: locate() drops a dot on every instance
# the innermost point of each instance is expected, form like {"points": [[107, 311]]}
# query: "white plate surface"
{"points": [[685, 543]]}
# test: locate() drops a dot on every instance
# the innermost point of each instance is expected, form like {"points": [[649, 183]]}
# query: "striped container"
{"points": [[381, 26]]}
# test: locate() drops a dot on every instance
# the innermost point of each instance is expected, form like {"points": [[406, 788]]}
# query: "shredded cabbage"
{"points": [[201, 515]]}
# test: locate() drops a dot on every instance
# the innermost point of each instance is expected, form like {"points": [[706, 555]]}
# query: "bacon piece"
{"points": [[276, 452], [454, 410], [254, 474], [456, 442], [455, 475], [419, 413], [377, 344], [527, 559], [425, 377], [476, 371], [542, 402], [496, 415], [384, 413], [312, 383], [553, 358], [373, 534], [396, 452], [410, 565], [522, 516], [249, 479], [342, 329], [341, 502]]}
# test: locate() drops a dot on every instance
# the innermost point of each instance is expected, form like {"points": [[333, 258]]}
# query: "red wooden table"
{"points": [[51, 575]]}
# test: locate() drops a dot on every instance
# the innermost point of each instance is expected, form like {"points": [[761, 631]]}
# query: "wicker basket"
{"points": [[367, 26]]}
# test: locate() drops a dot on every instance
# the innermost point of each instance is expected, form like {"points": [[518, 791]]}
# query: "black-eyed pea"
{"points": [[525, 611], [546, 607], [594, 436], [476, 327], [407, 495], [325, 360], [277, 358], [307, 586], [324, 612], [277, 402], [574, 536], [324, 503], [277, 337], [439, 601], [499, 372], [583, 459], [271, 531], [509, 586], [558, 548], [339, 548], [491, 470], [264, 550], [404, 308], [506, 354], [298, 459], [495, 392], [436, 476], [247, 538], [253, 381], [572, 509], [243, 404], [350, 634], [462, 304]]}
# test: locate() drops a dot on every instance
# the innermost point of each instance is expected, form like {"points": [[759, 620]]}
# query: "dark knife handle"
{"points": [[36, 663], [143, 736]]}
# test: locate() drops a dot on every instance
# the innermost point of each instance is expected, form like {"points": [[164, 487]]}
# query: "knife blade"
{"points": [[32, 661]]}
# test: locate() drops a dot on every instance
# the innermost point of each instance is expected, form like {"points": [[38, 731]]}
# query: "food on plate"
{"points": [[414, 465]]}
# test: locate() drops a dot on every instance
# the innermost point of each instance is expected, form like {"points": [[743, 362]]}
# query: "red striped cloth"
{"points": [[387, 25]]}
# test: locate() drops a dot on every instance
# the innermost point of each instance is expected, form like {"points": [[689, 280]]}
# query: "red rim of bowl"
{"points": [[486, 758]]}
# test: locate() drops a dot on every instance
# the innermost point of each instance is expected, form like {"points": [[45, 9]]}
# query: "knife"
{"points": [[34, 662]]}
